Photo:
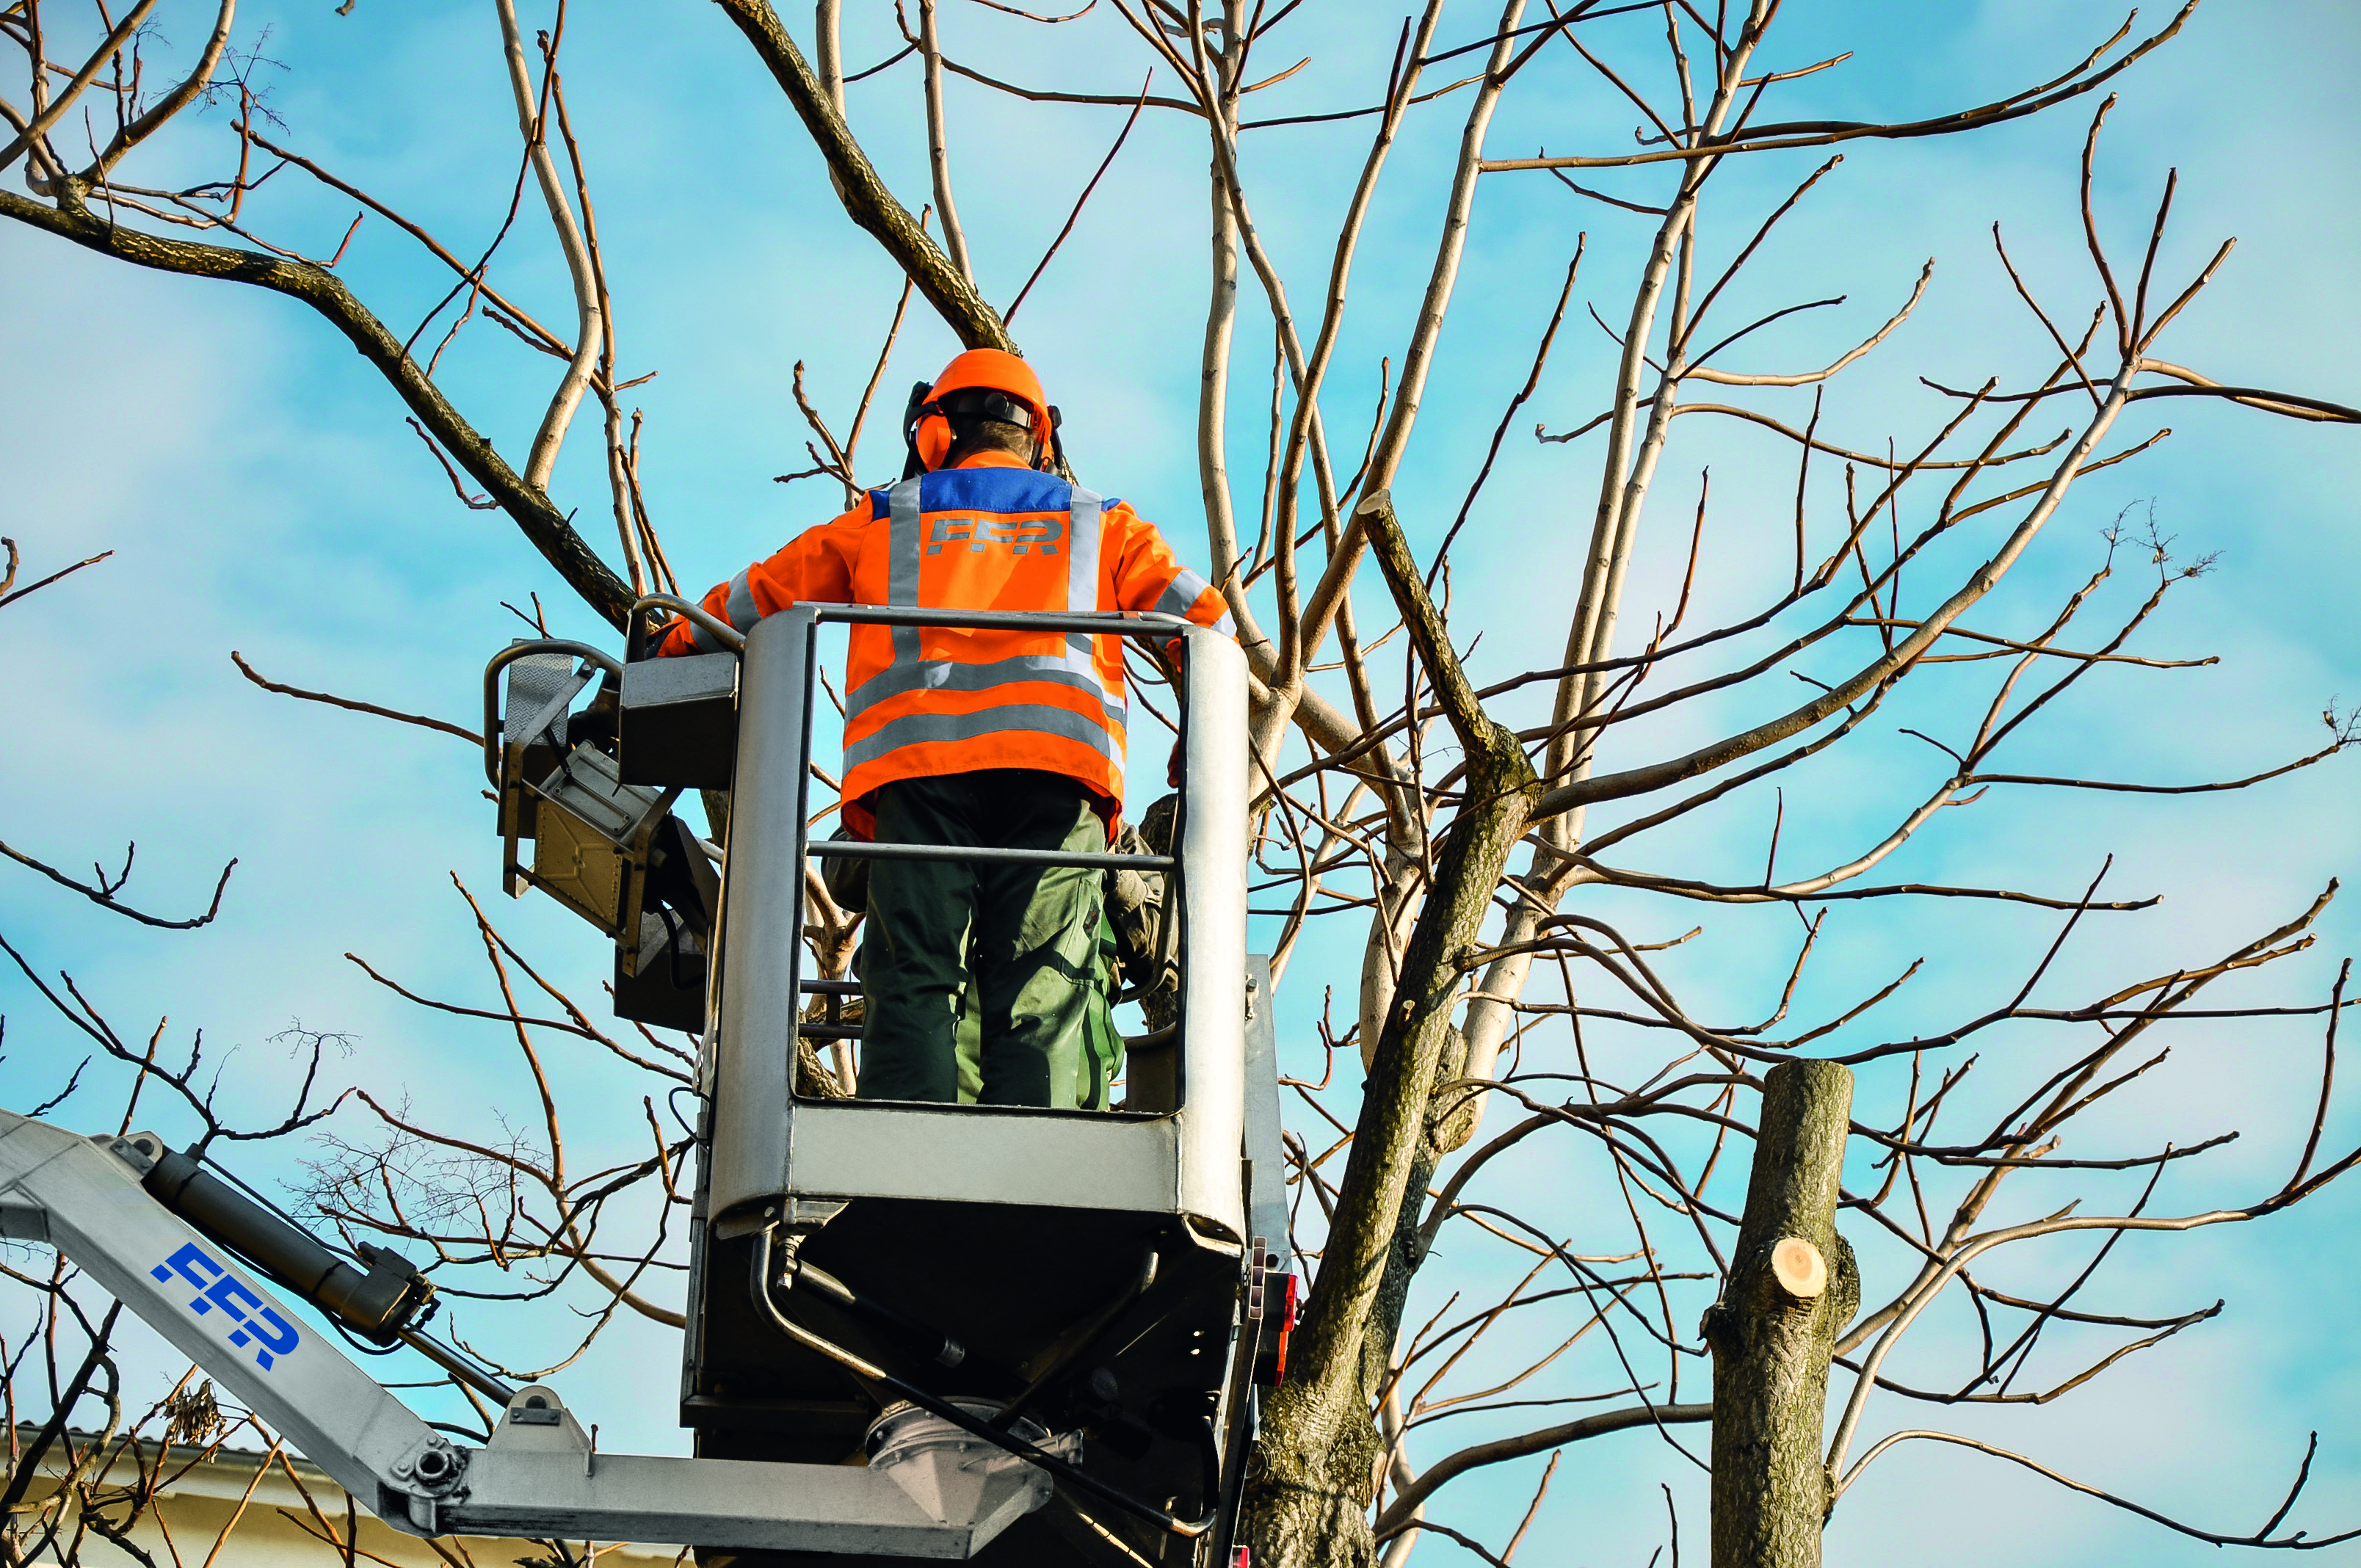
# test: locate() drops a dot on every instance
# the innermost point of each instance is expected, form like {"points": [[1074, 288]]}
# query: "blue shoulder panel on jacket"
{"points": [[995, 490], [881, 505]]}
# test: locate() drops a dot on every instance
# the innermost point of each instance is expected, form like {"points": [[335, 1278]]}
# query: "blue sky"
{"points": [[261, 493]]}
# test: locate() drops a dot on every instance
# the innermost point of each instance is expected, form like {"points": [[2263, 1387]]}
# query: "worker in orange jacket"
{"points": [[979, 738]]}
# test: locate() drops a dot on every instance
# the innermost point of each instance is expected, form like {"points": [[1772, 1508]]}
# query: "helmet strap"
{"points": [[1049, 455], [912, 412]]}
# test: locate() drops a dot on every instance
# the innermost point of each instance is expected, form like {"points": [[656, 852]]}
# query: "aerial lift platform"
{"points": [[915, 1331]]}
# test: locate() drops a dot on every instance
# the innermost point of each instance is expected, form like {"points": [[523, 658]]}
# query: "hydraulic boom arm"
{"points": [[537, 1477]]}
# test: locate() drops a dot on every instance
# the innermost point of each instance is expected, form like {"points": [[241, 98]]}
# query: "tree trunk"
{"points": [[1315, 1466], [1793, 1284]]}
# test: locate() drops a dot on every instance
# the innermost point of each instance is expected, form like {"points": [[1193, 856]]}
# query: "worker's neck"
{"points": [[991, 458]]}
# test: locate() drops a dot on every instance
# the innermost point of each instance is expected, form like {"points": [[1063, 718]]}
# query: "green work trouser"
{"points": [[983, 982]]}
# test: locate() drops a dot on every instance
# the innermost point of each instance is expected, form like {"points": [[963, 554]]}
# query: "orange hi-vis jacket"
{"points": [[990, 534]]}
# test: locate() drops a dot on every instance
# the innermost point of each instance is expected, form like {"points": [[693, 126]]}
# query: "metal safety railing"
{"points": [[729, 637], [988, 855], [495, 727]]}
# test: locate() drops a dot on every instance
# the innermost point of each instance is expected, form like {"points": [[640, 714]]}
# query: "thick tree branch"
{"points": [[530, 509], [866, 198], [1393, 1120]]}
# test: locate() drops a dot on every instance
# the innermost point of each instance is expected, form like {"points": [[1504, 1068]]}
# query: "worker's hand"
{"points": [[1172, 766]]}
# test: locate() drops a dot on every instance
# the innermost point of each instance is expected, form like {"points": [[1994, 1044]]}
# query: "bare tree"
{"points": [[1452, 817]]}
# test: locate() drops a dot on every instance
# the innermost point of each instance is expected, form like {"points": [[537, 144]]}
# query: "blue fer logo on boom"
{"points": [[270, 1334]]}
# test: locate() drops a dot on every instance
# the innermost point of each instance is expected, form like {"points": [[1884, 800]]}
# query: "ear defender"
{"points": [[933, 437]]}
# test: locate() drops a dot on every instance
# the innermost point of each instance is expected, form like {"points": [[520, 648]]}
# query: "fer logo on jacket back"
{"points": [[256, 1324], [1022, 535]]}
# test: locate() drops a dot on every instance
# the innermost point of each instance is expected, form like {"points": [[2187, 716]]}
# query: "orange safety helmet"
{"points": [[928, 429]]}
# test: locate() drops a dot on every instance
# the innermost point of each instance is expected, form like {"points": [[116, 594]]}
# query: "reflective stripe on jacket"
{"points": [[990, 534]]}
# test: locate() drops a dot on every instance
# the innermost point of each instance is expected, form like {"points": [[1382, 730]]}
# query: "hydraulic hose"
{"points": [[1188, 1530], [940, 1348], [459, 1365]]}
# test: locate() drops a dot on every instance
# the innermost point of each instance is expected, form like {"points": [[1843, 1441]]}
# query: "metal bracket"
{"points": [[537, 1421], [140, 1151], [792, 1215]]}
